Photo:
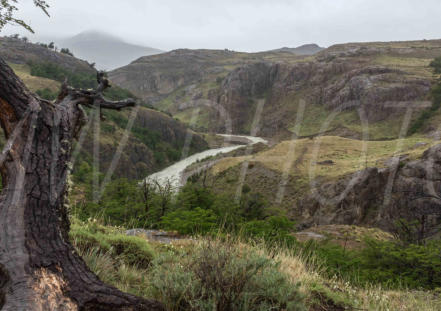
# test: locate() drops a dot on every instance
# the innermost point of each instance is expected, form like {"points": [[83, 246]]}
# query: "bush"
{"points": [[132, 250], [221, 277], [84, 240], [196, 221], [382, 262], [58, 73], [272, 229], [47, 94]]}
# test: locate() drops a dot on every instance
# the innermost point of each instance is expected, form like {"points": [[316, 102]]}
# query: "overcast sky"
{"points": [[242, 25]]}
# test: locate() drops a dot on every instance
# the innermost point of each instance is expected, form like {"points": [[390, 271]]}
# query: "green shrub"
{"points": [[133, 250], [273, 228], [58, 73], [196, 221], [436, 98], [221, 277], [389, 263], [84, 240], [47, 94]]}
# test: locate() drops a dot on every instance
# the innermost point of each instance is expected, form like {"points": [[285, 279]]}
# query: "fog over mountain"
{"points": [[239, 25], [105, 50]]}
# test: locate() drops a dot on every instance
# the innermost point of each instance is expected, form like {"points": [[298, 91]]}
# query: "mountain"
{"points": [[106, 51], [359, 96], [306, 49], [155, 140], [219, 83]]}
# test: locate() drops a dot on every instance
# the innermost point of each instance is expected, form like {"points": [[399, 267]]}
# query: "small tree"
{"points": [[66, 51]]}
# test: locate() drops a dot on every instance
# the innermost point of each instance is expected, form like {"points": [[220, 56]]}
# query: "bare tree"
{"points": [[39, 268]]}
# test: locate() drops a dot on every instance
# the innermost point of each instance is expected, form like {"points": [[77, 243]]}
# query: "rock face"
{"points": [[384, 93], [382, 78], [152, 78], [380, 197]]}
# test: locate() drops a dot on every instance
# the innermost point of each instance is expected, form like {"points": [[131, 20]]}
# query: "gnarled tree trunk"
{"points": [[39, 269]]}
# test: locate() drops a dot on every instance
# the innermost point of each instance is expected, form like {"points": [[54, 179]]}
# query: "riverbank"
{"points": [[174, 174]]}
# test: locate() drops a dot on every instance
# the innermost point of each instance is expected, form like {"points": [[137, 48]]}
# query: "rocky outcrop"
{"points": [[383, 78], [154, 77], [384, 93], [380, 197]]}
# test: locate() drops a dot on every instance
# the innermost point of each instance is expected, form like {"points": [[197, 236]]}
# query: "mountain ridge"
{"points": [[105, 50]]}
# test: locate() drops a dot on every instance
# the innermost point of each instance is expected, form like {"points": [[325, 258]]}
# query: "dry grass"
{"points": [[414, 65], [347, 155], [34, 83], [370, 298], [295, 265]]}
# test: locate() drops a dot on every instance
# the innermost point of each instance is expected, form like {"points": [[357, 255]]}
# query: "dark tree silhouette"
{"points": [[39, 268]]}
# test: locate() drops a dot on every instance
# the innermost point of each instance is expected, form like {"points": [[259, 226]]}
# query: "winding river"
{"points": [[174, 173]]}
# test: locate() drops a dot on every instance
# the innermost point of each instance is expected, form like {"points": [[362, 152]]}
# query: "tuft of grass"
{"points": [[131, 250]]}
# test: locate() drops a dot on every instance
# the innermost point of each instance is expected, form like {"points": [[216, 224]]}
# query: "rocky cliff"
{"points": [[380, 197], [383, 78]]}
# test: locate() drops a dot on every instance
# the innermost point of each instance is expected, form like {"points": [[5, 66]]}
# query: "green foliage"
{"points": [[196, 221], [134, 251], [415, 266], [221, 277], [194, 210], [66, 51], [117, 93], [436, 99], [273, 228], [131, 250], [163, 151], [47, 94], [391, 264], [121, 201], [436, 65], [58, 73]]}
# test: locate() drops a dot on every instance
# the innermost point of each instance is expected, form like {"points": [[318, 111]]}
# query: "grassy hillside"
{"points": [[23, 71], [334, 156], [178, 275]]}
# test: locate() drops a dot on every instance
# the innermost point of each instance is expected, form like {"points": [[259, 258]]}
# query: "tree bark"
{"points": [[39, 268]]}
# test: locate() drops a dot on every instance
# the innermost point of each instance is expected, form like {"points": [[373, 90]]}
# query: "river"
{"points": [[174, 172]]}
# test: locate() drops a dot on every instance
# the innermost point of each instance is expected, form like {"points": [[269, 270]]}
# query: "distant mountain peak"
{"points": [[96, 35], [106, 50]]}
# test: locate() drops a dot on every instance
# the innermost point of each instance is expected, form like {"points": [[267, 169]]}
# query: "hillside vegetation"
{"points": [[155, 140], [231, 274]]}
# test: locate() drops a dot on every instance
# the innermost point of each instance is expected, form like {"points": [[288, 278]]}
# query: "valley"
{"points": [[328, 174]]}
